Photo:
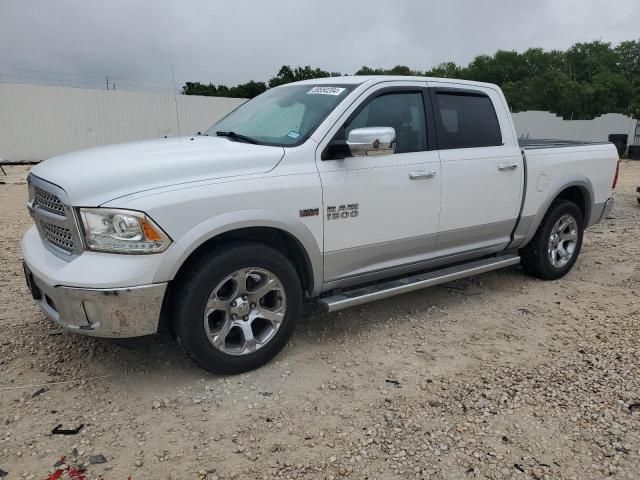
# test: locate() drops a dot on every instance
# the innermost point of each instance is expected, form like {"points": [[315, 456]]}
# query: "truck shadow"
{"points": [[316, 332]]}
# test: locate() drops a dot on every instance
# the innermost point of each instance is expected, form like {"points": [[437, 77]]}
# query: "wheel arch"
{"points": [[287, 235], [579, 195], [579, 191]]}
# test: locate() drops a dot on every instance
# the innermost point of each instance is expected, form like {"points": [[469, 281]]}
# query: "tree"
{"points": [[611, 93], [587, 59], [518, 94], [245, 90], [538, 61], [397, 70], [446, 70], [628, 58], [587, 80], [287, 75], [370, 71]]}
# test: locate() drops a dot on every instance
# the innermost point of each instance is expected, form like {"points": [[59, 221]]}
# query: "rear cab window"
{"points": [[465, 119]]}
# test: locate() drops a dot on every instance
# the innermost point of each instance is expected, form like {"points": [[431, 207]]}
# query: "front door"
{"points": [[381, 212]]}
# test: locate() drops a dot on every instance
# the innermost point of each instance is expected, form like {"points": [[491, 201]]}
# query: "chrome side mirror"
{"points": [[370, 141]]}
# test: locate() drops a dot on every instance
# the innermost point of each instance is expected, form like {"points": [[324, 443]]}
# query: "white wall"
{"points": [[535, 124], [38, 122]]}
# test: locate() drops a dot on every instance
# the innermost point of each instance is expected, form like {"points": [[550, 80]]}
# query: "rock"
{"points": [[98, 458]]}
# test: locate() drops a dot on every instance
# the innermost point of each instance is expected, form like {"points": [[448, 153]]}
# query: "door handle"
{"points": [[422, 175], [503, 167]]}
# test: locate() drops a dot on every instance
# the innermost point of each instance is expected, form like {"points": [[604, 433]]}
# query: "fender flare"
{"points": [[587, 188], [228, 222]]}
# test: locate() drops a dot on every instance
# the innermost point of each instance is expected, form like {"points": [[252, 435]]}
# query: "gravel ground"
{"points": [[499, 376]]}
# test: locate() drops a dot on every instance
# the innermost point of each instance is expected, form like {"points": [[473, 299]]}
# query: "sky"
{"points": [[135, 42]]}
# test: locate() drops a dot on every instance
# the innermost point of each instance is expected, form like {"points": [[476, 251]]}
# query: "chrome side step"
{"points": [[358, 296]]}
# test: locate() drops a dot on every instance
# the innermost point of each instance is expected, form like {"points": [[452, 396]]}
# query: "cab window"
{"points": [[404, 111]]}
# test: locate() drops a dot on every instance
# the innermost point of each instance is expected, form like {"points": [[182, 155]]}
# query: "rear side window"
{"points": [[466, 120]]}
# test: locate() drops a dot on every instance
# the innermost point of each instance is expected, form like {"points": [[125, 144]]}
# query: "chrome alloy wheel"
{"points": [[563, 241], [244, 311]]}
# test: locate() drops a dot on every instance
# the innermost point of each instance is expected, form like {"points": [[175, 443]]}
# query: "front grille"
{"points": [[49, 202], [61, 237], [52, 213]]}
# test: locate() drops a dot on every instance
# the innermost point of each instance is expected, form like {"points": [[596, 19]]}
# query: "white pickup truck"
{"points": [[338, 190]]}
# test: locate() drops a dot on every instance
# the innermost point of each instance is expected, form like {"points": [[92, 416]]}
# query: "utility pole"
{"points": [[175, 97]]}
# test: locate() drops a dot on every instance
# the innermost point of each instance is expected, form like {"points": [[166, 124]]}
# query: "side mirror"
{"points": [[370, 141]]}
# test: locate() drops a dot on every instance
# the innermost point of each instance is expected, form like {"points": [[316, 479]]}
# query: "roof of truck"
{"points": [[360, 79]]}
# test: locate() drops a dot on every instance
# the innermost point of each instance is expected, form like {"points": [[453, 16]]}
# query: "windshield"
{"points": [[283, 116]]}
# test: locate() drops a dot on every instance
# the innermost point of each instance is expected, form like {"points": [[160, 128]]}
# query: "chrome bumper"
{"points": [[109, 313]]}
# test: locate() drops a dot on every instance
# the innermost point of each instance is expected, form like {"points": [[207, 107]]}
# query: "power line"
{"points": [[86, 75], [89, 83]]}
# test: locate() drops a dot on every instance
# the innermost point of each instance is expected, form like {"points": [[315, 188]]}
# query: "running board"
{"points": [[378, 291]]}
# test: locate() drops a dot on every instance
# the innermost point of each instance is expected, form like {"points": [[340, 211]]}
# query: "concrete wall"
{"points": [[38, 122], [547, 125]]}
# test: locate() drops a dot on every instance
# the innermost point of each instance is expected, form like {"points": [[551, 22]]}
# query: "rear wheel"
{"points": [[237, 308], [555, 247]]}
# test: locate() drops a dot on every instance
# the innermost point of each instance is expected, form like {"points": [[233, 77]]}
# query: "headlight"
{"points": [[122, 231]]}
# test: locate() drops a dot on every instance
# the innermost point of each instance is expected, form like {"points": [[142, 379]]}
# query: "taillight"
{"points": [[615, 177]]}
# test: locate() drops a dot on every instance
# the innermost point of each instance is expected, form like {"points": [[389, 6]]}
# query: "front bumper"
{"points": [[97, 294], [108, 313]]}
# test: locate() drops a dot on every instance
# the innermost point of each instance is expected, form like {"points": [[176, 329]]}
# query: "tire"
{"points": [[543, 257], [242, 330]]}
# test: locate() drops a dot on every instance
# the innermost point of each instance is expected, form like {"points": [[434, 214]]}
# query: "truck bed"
{"points": [[537, 143]]}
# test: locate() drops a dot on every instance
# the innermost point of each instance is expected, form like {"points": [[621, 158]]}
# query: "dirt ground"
{"points": [[498, 376]]}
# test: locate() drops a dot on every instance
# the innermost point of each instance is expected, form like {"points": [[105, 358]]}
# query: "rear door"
{"points": [[482, 169], [381, 211]]}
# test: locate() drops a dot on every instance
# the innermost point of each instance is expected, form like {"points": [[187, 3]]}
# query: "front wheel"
{"points": [[555, 247], [237, 308]]}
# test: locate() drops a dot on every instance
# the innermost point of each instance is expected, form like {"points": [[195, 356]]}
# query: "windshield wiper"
{"points": [[237, 136]]}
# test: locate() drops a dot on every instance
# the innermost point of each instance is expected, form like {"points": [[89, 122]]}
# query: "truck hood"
{"points": [[97, 175]]}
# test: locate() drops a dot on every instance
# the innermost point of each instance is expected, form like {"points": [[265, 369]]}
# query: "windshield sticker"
{"points": [[326, 91], [293, 134]]}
